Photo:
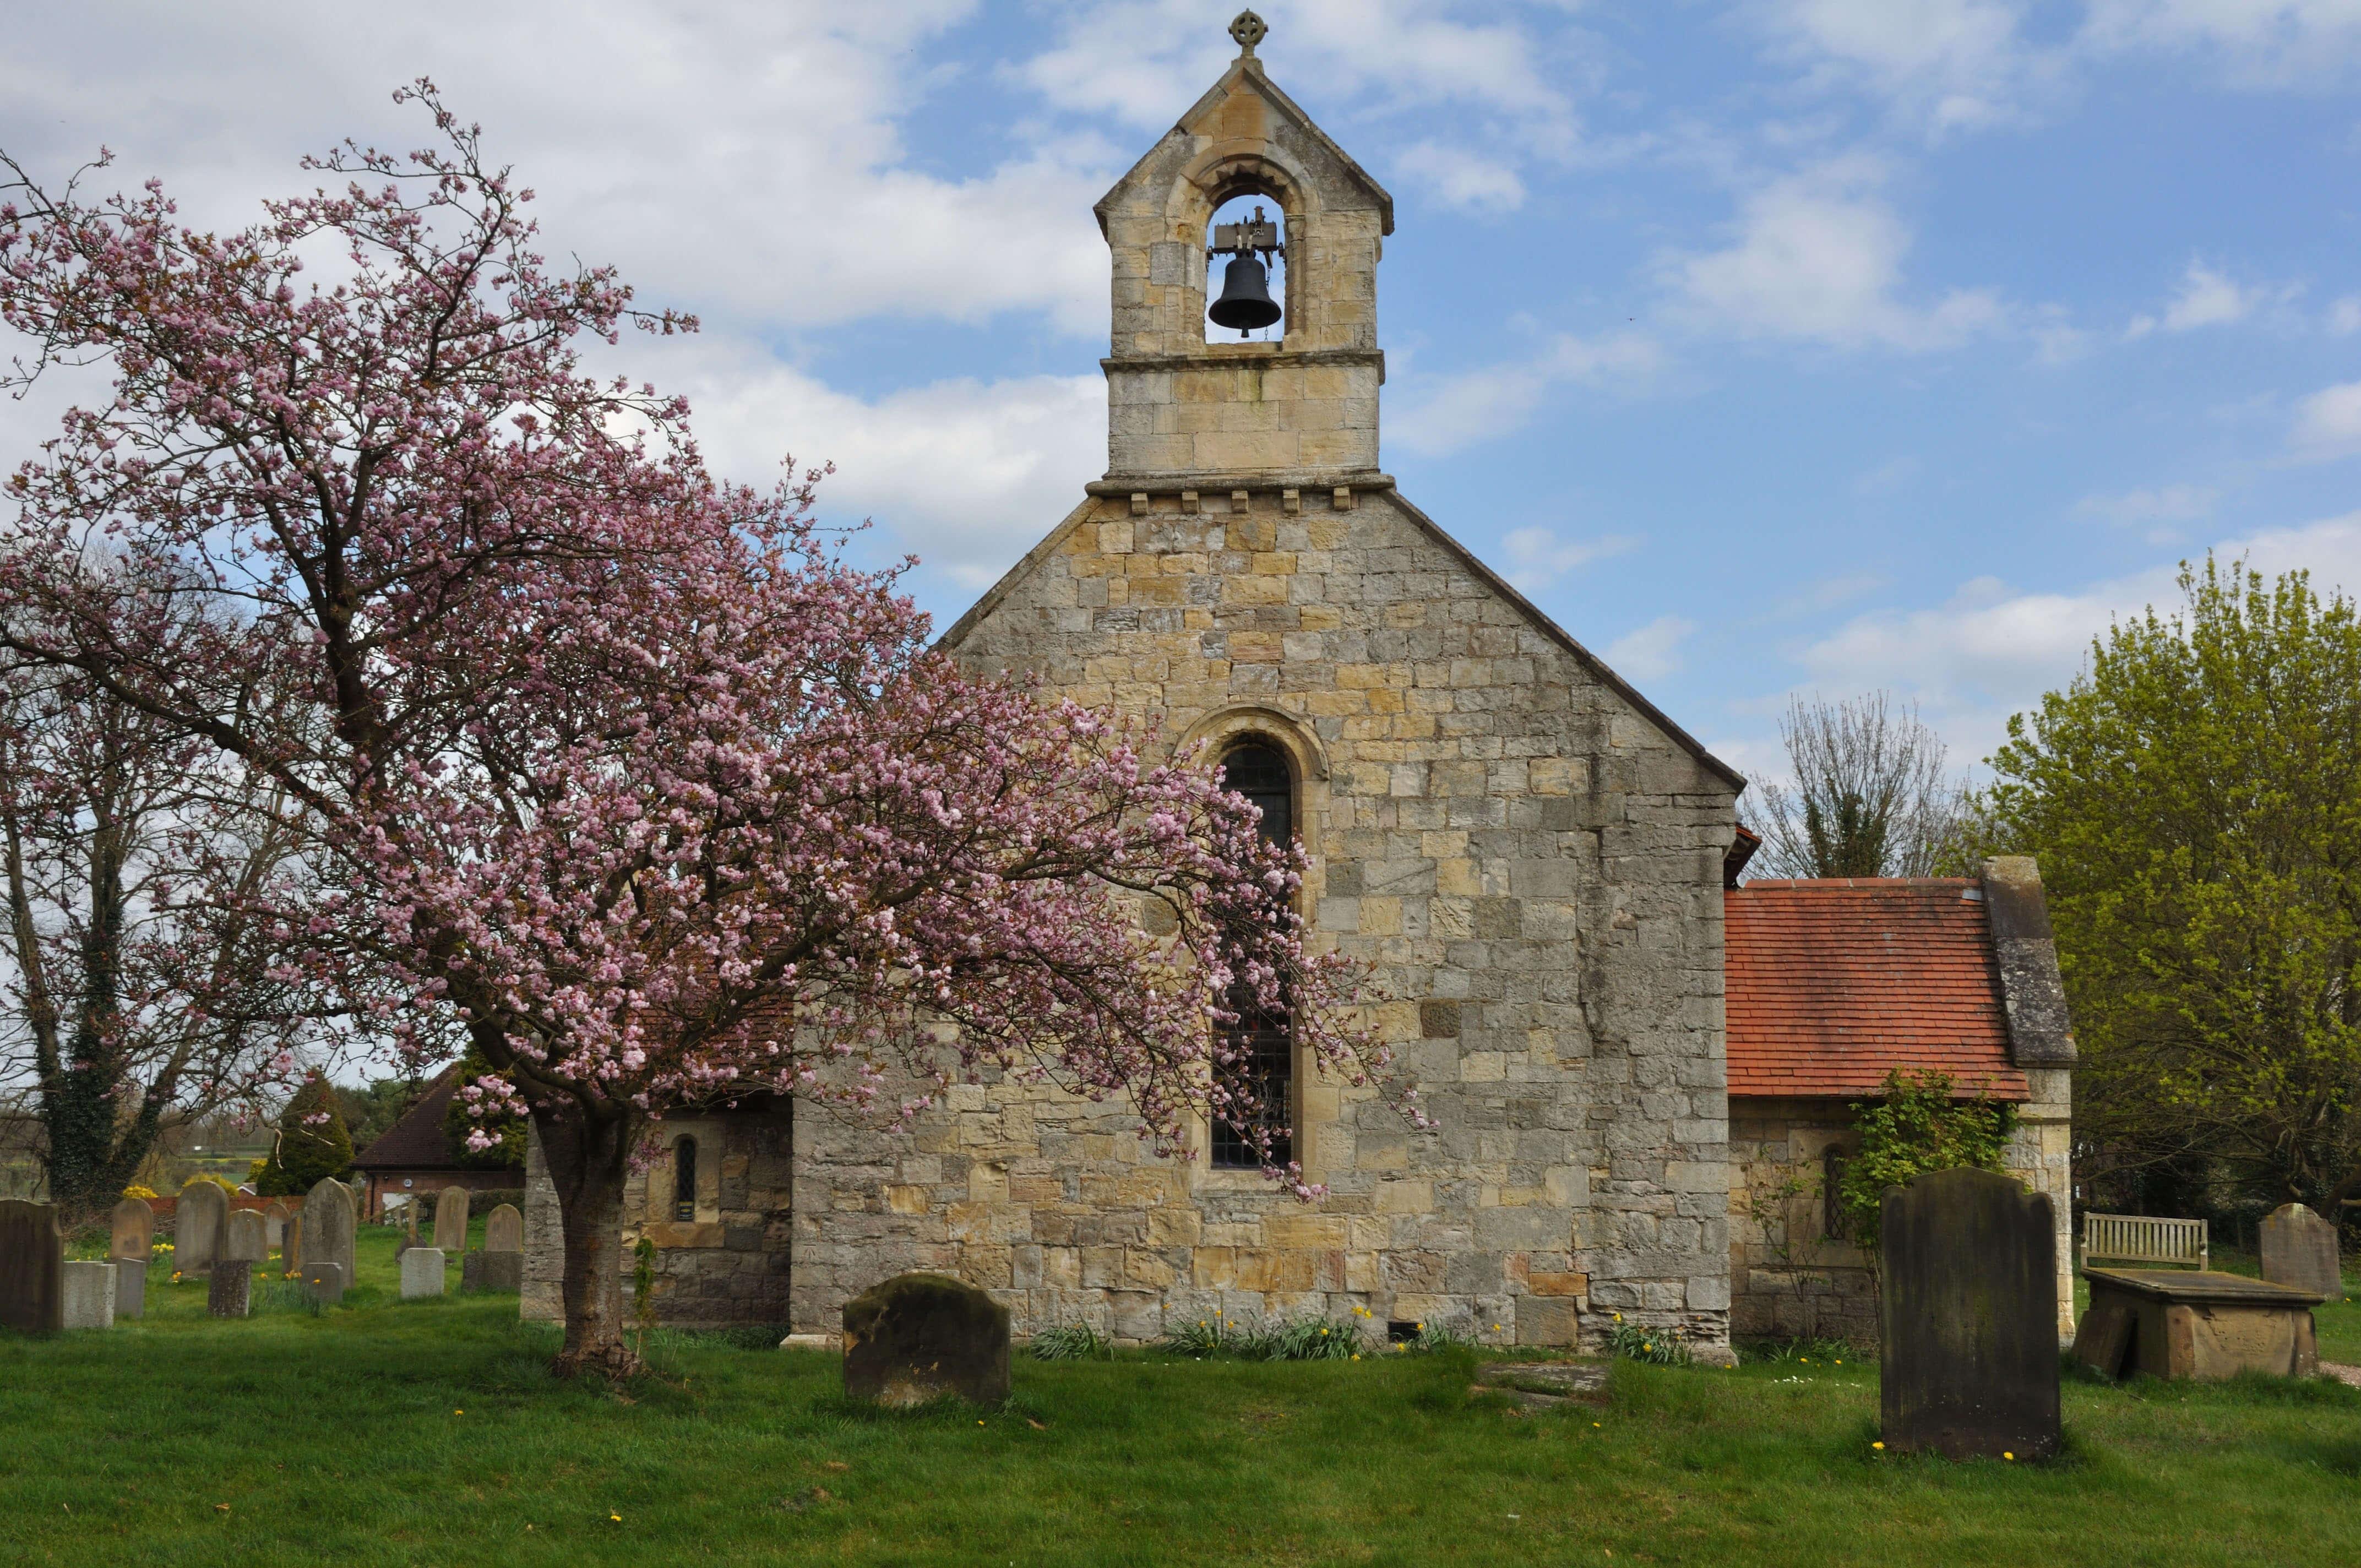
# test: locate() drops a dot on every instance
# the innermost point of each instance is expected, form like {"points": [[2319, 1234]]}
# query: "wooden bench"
{"points": [[2141, 1238]]}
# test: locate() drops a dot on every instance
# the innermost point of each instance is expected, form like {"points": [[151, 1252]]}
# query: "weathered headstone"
{"points": [[32, 1263], [274, 1223], [502, 1270], [230, 1293], [918, 1337], [504, 1229], [325, 1282], [451, 1221], [1969, 1318], [130, 1287], [2299, 1249], [421, 1272], [471, 1270], [131, 1231], [245, 1238], [86, 1295], [328, 1226], [197, 1226], [291, 1246]]}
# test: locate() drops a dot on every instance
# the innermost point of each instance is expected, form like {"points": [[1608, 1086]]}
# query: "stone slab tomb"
{"points": [[1969, 1318], [2169, 1322], [32, 1265], [451, 1221], [325, 1282], [421, 1272], [2299, 1249], [130, 1287], [230, 1291], [921, 1337], [246, 1238], [86, 1295], [131, 1230], [198, 1223], [329, 1224], [504, 1229]]}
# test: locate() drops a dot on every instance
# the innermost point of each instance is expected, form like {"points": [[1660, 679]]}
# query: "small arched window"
{"points": [[684, 1179], [1832, 1214], [1264, 1039]]}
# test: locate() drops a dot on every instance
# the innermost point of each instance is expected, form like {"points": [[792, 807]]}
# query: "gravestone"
{"points": [[328, 1226], [130, 1287], [325, 1282], [245, 1238], [2299, 1249], [197, 1227], [230, 1293], [471, 1271], [290, 1246], [1969, 1366], [274, 1225], [918, 1337], [32, 1265], [502, 1270], [86, 1295], [421, 1272], [451, 1221], [132, 1233], [504, 1229]]}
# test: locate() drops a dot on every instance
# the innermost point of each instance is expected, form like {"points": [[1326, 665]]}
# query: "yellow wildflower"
{"points": [[1878, 1445]]}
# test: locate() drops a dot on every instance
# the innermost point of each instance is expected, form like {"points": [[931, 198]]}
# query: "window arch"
{"points": [[1261, 772], [684, 1179]]}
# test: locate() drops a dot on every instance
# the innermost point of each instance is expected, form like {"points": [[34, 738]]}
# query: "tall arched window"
{"points": [[1832, 1214], [684, 1179], [1260, 771]]}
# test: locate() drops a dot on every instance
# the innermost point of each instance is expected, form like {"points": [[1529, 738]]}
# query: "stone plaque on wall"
{"points": [[1970, 1319]]}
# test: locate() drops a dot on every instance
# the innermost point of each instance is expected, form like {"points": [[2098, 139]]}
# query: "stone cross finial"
{"points": [[1249, 31]]}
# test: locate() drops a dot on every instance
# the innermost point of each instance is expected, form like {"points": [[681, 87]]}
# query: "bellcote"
{"points": [[1302, 405]]}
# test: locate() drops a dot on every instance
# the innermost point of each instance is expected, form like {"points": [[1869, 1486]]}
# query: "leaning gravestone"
{"points": [[917, 1337], [1970, 1362], [131, 1231], [421, 1272], [504, 1229], [328, 1226], [274, 1223], [2299, 1249], [291, 1246], [325, 1282], [32, 1266], [130, 1287], [245, 1238], [230, 1293], [86, 1295], [197, 1226], [451, 1221]]}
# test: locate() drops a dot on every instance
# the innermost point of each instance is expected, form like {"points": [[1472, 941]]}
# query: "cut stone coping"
{"points": [[2191, 1288]]}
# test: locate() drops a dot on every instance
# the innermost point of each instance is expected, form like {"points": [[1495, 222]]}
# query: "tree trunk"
{"points": [[588, 1160]]}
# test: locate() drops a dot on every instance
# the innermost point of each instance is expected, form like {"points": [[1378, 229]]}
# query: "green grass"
{"points": [[340, 1438]]}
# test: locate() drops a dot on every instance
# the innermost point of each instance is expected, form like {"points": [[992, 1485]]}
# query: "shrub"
{"points": [[1914, 1127], [1657, 1346], [311, 1143], [144, 1194], [1071, 1342]]}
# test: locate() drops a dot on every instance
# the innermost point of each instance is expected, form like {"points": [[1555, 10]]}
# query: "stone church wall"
{"points": [[1533, 865]]}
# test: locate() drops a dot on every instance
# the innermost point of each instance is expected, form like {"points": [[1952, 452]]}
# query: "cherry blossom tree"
{"points": [[619, 774]]}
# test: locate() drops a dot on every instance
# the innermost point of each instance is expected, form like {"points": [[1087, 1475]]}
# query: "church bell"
{"points": [[1246, 303]]}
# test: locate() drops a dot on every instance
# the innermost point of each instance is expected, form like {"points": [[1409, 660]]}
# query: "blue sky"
{"points": [[1773, 346]]}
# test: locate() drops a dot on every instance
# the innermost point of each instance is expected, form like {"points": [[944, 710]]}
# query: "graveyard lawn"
{"points": [[431, 1432]]}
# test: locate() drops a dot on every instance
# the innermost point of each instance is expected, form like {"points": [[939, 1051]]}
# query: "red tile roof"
{"points": [[1833, 982]]}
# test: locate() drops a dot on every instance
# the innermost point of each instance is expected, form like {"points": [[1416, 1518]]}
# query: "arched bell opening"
{"points": [[1245, 270]]}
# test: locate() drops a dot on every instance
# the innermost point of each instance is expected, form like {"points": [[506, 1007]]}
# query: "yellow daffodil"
{"points": [[2011, 1457], [1878, 1446]]}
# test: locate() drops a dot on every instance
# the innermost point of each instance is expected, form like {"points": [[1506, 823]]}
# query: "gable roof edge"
{"points": [[993, 596]]}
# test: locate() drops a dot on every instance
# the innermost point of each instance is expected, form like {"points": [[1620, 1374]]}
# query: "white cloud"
{"points": [[1992, 650], [1827, 594], [966, 475], [2165, 503], [1463, 178], [1652, 652], [1818, 257], [1452, 412], [2254, 42], [2207, 298], [2345, 316], [1538, 557], [1946, 64], [2328, 424]]}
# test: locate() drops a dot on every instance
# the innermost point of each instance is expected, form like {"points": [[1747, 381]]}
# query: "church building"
{"points": [[1530, 853]]}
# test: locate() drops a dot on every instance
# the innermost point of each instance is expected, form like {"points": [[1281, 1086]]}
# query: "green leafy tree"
{"points": [[370, 1110], [2195, 801], [1917, 1125], [311, 1143]]}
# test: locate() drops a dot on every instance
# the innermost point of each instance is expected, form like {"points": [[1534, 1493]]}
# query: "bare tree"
{"points": [[1871, 796]]}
